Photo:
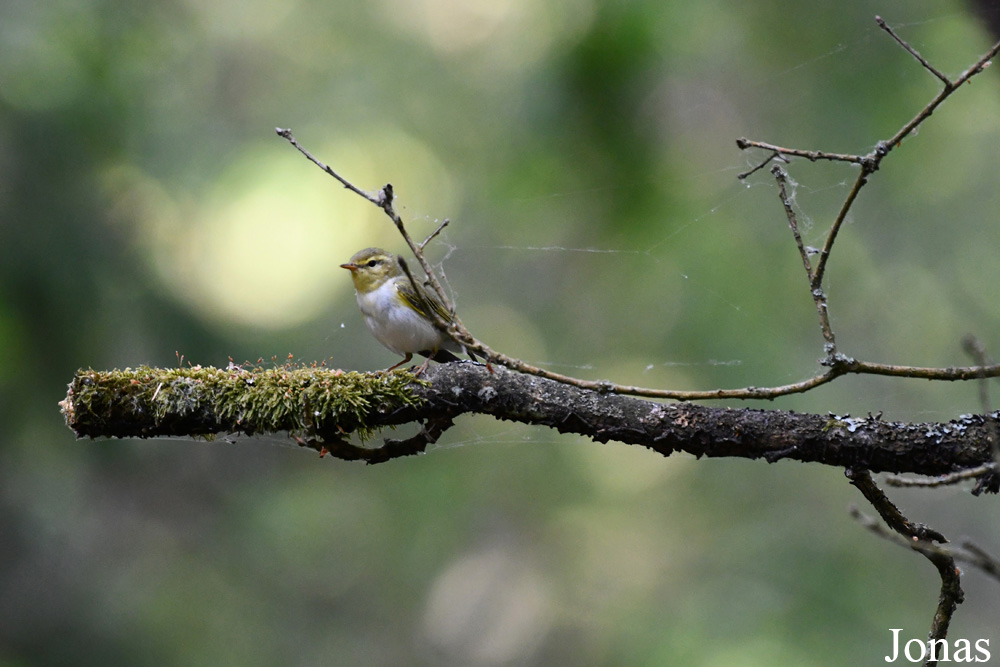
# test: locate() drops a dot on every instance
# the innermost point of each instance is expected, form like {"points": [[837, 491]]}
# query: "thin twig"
{"points": [[781, 177], [967, 551], [925, 113], [921, 539], [430, 237], [774, 156], [824, 254], [950, 374], [287, 135], [943, 480], [975, 555], [862, 479], [817, 292], [977, 352], [912, 51], [743, 143], [386, 204]]}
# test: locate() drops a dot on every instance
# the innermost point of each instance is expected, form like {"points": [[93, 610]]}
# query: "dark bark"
{"points": [[159, 402]]}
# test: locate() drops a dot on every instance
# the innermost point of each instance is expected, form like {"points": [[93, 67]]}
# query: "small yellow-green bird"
{"points": [[396, 313]]}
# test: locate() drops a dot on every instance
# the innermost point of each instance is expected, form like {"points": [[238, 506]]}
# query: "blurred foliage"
{"points": [[585, 154]]}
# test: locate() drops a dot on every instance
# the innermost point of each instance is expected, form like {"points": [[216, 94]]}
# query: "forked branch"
{"points": [[837, 363]]}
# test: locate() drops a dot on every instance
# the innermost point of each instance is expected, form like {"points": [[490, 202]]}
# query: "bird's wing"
{"points": [[420, 301]]}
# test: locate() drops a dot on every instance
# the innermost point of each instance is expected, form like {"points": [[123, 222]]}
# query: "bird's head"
{"points": [[371, 267]]}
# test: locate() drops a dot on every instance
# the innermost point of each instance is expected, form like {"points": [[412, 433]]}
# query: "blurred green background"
{"points": [[585, 153]]}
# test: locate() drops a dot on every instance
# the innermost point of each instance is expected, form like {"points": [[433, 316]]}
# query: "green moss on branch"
{"points": [[306, 401]]}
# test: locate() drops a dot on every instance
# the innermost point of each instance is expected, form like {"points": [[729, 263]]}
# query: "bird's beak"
{"points": [[350, 267]]}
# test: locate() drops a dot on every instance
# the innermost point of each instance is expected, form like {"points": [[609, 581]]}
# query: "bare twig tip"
{"points": [[431, 236], [913, 52]]}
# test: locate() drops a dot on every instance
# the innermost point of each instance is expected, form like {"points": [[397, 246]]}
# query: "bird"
{"points": [[397, 311]]}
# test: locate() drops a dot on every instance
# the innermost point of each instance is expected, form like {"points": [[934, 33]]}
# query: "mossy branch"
{"points": [[321, 408]]}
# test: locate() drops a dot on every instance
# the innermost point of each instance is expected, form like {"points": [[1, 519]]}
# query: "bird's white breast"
{"points": [[396, 325]]}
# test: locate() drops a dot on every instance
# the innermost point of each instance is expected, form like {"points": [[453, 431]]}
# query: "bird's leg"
{"points": [[406, 360], [423, 367]]}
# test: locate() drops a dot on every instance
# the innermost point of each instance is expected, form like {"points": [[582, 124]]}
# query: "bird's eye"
{"points": [[373, 263]]}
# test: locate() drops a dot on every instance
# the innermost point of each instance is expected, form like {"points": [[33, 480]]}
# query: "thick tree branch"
{"points": [[322, 407]]}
